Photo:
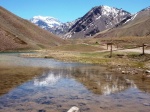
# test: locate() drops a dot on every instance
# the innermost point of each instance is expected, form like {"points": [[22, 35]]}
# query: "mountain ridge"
{"points": [[52, 24], [138, 25], [98, 19]]}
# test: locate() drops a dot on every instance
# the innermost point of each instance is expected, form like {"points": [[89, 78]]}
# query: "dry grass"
{"points": [[91, 51], [78, 48], [137, 27], [122, 42], [101, 58], [14, 76], [132, 40]]}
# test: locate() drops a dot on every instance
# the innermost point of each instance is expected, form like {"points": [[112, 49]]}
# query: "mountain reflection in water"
{"points": [[99, 83], [47, 79], [91, 88]]}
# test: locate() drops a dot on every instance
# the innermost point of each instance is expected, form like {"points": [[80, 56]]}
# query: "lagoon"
{"points": [[61, 85]]}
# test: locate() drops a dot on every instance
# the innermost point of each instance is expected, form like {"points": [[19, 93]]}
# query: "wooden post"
{"points": [[107, 46], [111, 50], [143, 49]]}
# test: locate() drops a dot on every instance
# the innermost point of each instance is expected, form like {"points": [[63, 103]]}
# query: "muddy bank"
{"points": [[14, 76]]}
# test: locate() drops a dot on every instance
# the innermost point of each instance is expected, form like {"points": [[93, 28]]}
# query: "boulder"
{"points": [[73, 109]]}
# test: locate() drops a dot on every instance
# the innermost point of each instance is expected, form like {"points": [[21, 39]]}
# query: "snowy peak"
{"points": [[137, 18], [52, 24], [96, 20], [45, 20], [106, 10], [133, 25]]}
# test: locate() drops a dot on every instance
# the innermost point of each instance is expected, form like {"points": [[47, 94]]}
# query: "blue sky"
{"points": [[67, 10]]}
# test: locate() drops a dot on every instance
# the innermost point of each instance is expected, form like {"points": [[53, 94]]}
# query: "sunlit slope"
{"points": [[138, 25], [17, 33]]}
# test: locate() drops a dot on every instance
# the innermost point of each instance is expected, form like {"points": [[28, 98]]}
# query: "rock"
{"points": [[73, 109], [42, 111], [128, 82], [119, 69], [147, 71], [123, 72], [146, 104], [148, 76]]}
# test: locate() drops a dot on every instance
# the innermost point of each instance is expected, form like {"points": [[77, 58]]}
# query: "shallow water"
{"points": [[63, 85], [14, 59]]}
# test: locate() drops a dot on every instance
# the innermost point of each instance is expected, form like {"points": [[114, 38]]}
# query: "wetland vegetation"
{"points": [[85, 77]]}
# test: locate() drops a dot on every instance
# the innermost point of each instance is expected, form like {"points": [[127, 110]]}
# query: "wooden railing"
{"points": [[137, 46]]}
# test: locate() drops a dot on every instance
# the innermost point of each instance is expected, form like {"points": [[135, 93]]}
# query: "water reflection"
{"points": [[47, 79], [97, 81], [100, 82], [91, 88]]}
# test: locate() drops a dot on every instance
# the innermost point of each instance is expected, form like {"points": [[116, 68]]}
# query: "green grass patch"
{"points": [[140, 57]]}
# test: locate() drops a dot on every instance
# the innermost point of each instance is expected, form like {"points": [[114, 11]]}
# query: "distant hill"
{"points": [[136, 25], [17, 33]]}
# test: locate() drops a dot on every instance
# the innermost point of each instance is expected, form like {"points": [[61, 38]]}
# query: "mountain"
{"points": [[17, 33], [136, 25], [96, 20], [104, 21], [52, 24]]}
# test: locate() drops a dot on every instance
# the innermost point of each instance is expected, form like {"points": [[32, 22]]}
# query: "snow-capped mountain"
{"points": [[49, 21], [144, 13], [137, 25], [96, 20], [52, 24]]}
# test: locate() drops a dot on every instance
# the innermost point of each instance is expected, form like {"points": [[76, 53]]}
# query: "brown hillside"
{"points": [[17, 33], [139, 26]]}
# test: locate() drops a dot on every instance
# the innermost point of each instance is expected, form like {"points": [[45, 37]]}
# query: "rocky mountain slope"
{"points": [[52, 24], [96, 20], [17, 33], [137, 25], [104, 21]]}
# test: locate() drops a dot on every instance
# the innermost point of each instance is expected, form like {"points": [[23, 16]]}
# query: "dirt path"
{"points": [[138, 50]]}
